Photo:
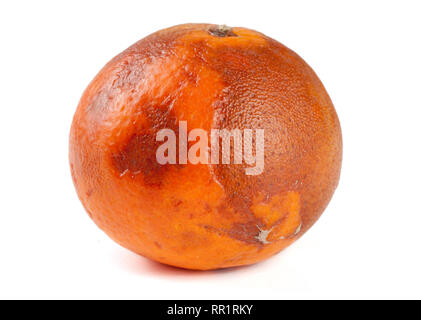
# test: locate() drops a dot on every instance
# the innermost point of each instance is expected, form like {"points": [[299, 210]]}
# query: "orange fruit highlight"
{"points": [[205, 216]]}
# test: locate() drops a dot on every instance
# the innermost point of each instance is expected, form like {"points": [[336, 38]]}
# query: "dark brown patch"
{"points": [[138, 155], [244, 232]]}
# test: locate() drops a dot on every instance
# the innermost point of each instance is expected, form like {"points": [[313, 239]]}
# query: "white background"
{"points": [[367, 243]]}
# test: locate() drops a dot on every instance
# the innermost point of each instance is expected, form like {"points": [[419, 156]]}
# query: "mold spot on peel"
{"points": [[281, 213], [297, 231], [263, 235]]}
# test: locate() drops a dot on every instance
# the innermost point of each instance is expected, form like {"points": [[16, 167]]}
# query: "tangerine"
{"points": [[205, 216]]}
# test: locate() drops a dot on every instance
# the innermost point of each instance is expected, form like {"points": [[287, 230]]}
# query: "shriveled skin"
{"points": [[205, 216]]}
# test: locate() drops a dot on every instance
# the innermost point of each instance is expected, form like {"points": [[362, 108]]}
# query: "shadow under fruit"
{"points": [[205, 216]]}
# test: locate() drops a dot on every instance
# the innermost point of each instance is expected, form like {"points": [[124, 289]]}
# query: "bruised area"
{"points": [[138, 155]]}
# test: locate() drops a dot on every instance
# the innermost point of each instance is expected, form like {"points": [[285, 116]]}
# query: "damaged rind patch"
{"points": [[281, 217], [278, 219]]}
